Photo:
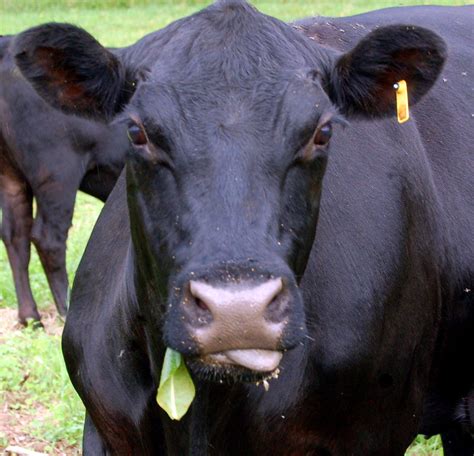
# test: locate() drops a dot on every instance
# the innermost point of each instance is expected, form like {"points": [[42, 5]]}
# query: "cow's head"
{"points": [[230, 122]]}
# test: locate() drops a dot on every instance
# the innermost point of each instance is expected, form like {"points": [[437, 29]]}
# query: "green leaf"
{"points": [[176, 391]]}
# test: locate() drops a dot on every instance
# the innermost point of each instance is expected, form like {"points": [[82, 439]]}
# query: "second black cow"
{"points": [[47, 156]]}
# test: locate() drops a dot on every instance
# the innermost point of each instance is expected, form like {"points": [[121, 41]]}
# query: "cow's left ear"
{"points": [[362, 81]]}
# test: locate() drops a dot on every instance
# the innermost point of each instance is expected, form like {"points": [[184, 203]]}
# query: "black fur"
{"points": [[229, 188]]}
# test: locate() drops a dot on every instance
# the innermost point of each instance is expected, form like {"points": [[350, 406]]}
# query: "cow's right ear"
{"points": [[362, 80], [72, 71]]}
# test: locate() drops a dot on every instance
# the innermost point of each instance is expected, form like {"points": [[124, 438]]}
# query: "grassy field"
{"points": [[115, 26], [39, 407]]}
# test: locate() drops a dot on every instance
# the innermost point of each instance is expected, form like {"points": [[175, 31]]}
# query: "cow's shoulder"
{"points": [[101, 280], [99, 275]]}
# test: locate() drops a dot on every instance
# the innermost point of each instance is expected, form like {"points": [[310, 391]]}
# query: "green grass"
{"points": [[48, 410], [35, 385], [120, 26], [46, 396]]}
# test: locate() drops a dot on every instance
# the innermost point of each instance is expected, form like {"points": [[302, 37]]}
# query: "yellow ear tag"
{"points": [[403, 112]]}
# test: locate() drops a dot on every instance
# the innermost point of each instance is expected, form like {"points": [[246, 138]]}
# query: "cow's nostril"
{"points": [[201, 304], [198, 312], [277, 310]]}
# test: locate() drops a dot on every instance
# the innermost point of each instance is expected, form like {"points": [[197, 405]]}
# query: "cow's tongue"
{"points": [[256, 360]]}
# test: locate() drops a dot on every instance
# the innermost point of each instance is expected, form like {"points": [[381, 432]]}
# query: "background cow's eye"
{"points": [[323, 135], [137, 135]]}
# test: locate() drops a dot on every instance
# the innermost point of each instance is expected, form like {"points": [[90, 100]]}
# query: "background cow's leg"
{"points": [[49, 234], [92, 443], [16, 228]]}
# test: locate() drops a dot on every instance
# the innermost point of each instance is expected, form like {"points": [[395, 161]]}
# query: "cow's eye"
{"points": [[323, 135], [137, 135]]}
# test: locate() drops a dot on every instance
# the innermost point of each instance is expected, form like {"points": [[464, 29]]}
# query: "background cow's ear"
{"points": [[71, 70], [362, 80]]}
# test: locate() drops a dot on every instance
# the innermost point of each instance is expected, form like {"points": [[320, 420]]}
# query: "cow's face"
{"points": [[224, 188], [224, 176], [230, 132]]}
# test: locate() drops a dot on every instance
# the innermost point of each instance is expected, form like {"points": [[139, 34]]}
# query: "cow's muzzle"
{"points": [[238, 324]]}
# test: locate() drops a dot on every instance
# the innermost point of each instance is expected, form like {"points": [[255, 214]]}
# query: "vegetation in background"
{"points": [[122, 25], [40, 409], [35, 389]]}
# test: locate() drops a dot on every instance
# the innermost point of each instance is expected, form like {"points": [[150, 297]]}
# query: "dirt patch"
{"points": [[14, 421], [18, 411], [52, 323]]}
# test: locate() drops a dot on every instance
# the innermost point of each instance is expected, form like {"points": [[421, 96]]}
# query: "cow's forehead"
{"points": [[228, 65], [228, 41]]}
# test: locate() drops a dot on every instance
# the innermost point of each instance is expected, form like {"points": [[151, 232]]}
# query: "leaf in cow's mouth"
{"points": [[176, 391]]}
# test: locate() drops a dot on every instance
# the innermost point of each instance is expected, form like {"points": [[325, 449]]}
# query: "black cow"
{"points": [[207, 244], [48, 156]]}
